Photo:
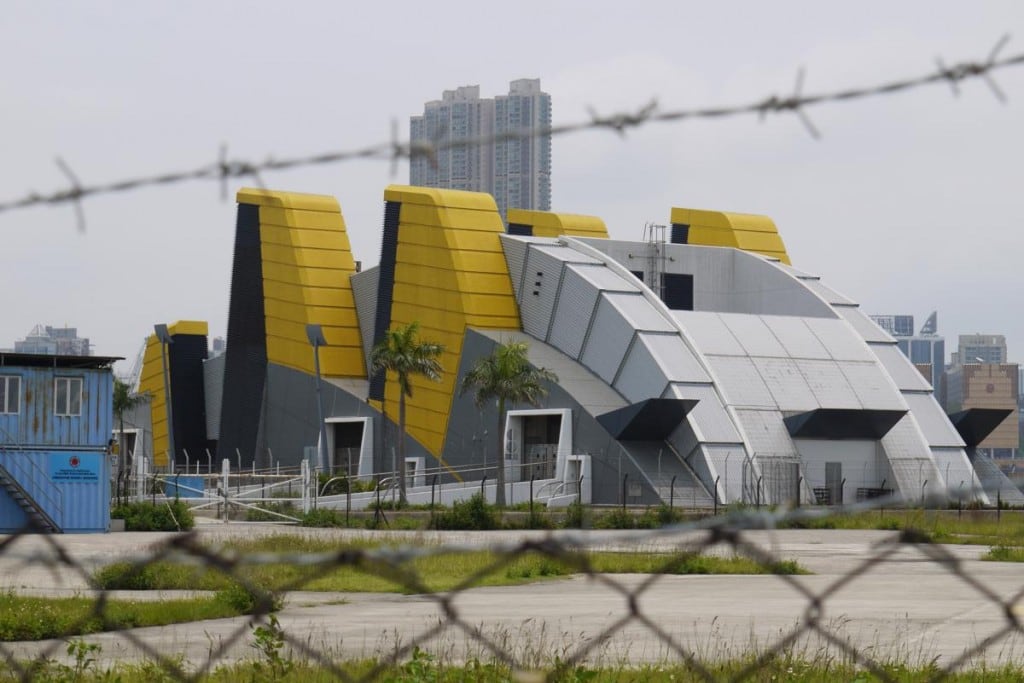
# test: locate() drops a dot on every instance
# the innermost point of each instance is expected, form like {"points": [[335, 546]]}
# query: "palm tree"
{"points": [[124, 401], [506, 375], [403, 353]]}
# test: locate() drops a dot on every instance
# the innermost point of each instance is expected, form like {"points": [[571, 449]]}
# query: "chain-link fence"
{"points": [[868, 598]]}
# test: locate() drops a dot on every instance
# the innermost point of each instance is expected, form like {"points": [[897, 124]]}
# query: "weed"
{"points": [[268, 641]]}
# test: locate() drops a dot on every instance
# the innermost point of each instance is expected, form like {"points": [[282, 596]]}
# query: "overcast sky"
{"points": [[907, 204]]}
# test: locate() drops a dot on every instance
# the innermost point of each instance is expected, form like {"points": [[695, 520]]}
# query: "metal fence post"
{"points": [[225, 473], [672, 492], [625, 477], [717, 479]]}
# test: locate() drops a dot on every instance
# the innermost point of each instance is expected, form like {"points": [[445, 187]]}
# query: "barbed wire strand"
{"points": [[620, 123]]}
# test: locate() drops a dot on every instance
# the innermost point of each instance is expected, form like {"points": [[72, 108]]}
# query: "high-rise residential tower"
{"points": [[516, 171]]}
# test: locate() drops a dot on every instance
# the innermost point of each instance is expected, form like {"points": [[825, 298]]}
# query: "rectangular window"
{"points": [[10, 394], [67, 396]]}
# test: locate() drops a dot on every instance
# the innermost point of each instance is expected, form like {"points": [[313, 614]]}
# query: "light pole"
{"points": [[165, 338], [315, 334]]}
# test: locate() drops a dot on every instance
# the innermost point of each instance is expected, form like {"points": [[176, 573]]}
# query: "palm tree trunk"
{"points": [[499, 498], [401, 449]]}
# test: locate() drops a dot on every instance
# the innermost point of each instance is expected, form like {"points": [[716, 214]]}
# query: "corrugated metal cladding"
{"points": [[604, 278], [932, 420], [766, 432], [956, 471], [567, 254], [900, 368], [828, 294], [839, 339], [364, 293], [245, 368], [639, 312], [753, 335], [541, 281], [572, 314], [515, 257], [187, 354], [709, 333], [641, 377], [607, 342], [71, 486], [708, 418], [213, 389], [865, 326], [36, 425], [796, 337], [739, 381], [786, 383], [385, 289], [872, 386], [829, 384]]}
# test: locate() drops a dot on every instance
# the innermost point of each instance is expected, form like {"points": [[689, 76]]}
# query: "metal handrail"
{"points": [[42, 487]]}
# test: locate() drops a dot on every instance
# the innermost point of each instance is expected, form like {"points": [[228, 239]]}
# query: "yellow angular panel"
{"points": [[740, 230], [151, 383], [548, 224], [450, 272], [307, 263]]}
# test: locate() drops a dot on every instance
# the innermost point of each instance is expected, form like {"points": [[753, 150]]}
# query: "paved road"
{"points": [[907, 605]]}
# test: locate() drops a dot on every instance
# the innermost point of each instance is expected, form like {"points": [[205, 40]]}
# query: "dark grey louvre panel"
{"points": [[385, 289], [678, 294]]}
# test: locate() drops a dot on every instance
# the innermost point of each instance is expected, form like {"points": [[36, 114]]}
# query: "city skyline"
{"points": [[516, 172]]}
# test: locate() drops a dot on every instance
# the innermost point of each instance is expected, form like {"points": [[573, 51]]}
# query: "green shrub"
{"points": [[323, 517], [573, 515], [172, 515], [616, 519], [473, 514], [333, 485]]}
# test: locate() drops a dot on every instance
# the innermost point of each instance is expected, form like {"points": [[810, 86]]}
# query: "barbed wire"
{"points": [[446, 613], [395, 149]]}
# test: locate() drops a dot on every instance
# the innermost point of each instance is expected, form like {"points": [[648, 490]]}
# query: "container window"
{"points": [[10, 394], [67, 396]]}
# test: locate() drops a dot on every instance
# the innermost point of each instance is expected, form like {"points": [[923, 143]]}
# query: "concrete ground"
{"points": [[907, 605]]}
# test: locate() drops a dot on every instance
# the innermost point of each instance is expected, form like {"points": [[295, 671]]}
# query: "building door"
{"points": [[348, 441]]}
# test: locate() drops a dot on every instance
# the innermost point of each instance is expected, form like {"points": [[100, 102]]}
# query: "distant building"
{"points": [[54, 341], [516, 172], [988, 385], [981, 348], [926, 349]]}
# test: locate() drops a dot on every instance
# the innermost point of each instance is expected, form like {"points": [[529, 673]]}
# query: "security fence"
{"points": [[865, 601]]}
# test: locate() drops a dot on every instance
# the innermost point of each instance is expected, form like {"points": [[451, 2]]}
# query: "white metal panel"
{"points": [[641, 376], [515, 257], [909, 458], [709, 333], [607, 341], [872, 385], [828, 383], [639, 312], [900, 368], [766, 432], [709, 419], [786, 383], [932, 420], [572, 314], [957, 472], [676, 360], [740, 382], [837, 337], [795, 337], [604, 278], [560, 253], [755, 337], [826, 293], [865, 326], [728, 463], [540, 287], [364, 292]]}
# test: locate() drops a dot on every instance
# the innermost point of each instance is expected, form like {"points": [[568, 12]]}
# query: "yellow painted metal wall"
{"points": [[307, 262], [450, 273], [547, 224], [740, 230], [151, 383]]}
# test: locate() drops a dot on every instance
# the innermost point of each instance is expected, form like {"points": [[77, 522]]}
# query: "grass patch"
{"points": [[26, 618], [363, 572], [937, 526], [1004, 553]]}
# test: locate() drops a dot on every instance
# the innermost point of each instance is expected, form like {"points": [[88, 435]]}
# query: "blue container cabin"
{"points": [[56, 417]]}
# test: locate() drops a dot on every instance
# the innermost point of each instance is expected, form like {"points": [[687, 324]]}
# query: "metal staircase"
{"points": [[38, 519]]}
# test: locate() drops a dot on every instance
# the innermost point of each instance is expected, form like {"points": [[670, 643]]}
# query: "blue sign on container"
{"points": [[75, 467], [184, 487]]}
